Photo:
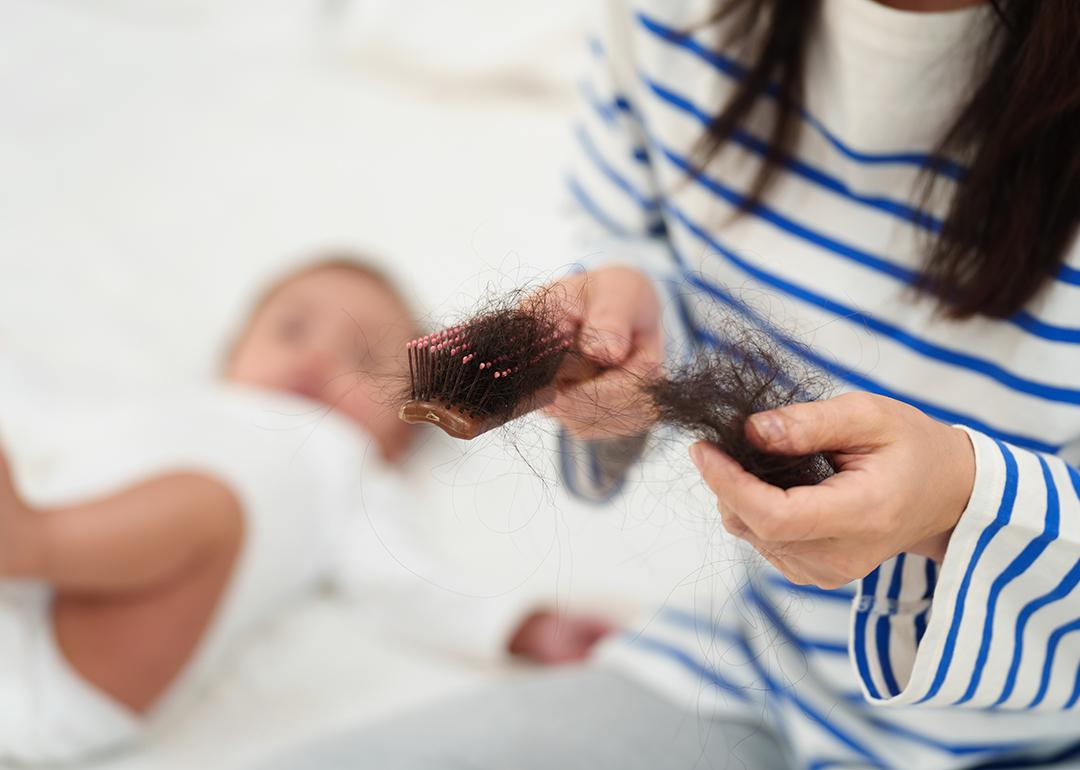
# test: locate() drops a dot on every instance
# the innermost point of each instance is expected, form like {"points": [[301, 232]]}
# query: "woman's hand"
{"points": [[619, 314], [903, 480]]}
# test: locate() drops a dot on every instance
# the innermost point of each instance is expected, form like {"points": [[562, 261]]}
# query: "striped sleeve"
{"points": [[612, 182], [999, 626], [611, 176]]}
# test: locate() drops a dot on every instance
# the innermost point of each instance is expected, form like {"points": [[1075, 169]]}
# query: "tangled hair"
{"points": [[512, 357], [713, 396]]}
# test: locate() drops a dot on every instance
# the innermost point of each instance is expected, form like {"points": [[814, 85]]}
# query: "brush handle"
{"points": [[452, 421]]}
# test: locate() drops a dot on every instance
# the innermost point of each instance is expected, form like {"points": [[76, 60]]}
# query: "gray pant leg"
{"points": [[576, 719]]}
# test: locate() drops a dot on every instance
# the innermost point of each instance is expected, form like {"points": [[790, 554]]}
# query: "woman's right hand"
{"points": [[619, 314]]}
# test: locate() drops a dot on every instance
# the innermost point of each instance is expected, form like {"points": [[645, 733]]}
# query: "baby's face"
{"points": [[332, 335]]}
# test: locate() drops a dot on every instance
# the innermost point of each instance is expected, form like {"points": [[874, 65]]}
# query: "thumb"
{"points": [[607, 333], [846, 423]]}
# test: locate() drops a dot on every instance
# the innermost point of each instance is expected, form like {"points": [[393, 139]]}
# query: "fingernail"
{"points": [[768, 426], [697, 455]]}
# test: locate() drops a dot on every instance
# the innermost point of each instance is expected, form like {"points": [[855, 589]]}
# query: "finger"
{"points": [[587, 413], [851, 422], [832, 508], [798, 565], [607, 333], [802, 562], [731, 522], [566, 297], [616, 317], [737, 491], [791, 570], [610, 404], [602, 326], [723, 475]]}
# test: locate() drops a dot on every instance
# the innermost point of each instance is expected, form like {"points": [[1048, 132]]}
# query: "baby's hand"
{"points": [[548, 638]]}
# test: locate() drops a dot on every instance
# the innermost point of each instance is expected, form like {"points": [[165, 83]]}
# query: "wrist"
{"points": [[957, 491]]}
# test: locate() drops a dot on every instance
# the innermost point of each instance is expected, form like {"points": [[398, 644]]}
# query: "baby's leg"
{"points": [[137, 575]]}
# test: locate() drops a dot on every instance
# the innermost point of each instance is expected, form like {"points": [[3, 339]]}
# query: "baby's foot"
{"points": [[18, 543]]}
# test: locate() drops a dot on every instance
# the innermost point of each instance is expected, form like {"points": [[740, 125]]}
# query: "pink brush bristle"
{"points": [[489, 368]]}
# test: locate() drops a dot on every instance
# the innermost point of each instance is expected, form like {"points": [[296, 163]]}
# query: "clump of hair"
{"points": [[713, 396]]}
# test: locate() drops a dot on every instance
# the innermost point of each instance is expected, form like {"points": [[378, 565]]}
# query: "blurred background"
{"points": [[160, 160], [168, 155]]}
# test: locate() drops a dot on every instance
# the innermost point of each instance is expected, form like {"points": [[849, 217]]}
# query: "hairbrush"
{"points": [[475, 376], [504, 363]]}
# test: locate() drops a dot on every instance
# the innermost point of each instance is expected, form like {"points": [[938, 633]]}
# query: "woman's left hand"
{"points": [[902, 481]]}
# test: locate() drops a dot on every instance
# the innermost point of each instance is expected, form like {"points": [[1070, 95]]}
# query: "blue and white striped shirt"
{"points": [[975, 663]]}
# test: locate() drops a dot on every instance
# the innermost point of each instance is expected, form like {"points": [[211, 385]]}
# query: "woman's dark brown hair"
{"points": [[1016, 209]]}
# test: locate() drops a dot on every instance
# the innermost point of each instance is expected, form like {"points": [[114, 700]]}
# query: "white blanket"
{"points": [[293, 466], [161, 159], [424, 570]]}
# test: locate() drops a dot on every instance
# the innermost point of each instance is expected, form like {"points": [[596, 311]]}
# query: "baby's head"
{"points": [[333, 331]]}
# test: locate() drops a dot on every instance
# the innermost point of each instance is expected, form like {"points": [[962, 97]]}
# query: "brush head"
{"points": [[476, 376]]}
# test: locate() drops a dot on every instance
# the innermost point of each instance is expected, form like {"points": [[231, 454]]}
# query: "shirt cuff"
{"points": [[922, 636]]}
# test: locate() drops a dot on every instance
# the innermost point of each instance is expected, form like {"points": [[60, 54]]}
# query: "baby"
{"points": [[135, 577]]}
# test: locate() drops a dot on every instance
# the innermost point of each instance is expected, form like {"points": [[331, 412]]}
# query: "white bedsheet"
{"points": [[159, 159], [363, 590]]}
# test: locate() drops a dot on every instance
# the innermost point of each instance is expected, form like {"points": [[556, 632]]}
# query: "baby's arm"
{"points": [[135, 538], [136, 575]]}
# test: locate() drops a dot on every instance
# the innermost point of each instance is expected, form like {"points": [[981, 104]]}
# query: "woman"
{"points": [[897, 183]]}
